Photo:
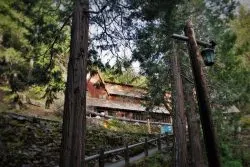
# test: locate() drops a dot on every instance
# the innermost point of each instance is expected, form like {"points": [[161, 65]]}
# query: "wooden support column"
{"points": [[101, 158], [146, 147], [159, 143], [167, 141], [202, 97], [126, 155]]}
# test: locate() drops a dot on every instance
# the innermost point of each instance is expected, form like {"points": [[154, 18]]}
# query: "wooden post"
{"points": [[149, 127], [166, 139], [126, 155], [146, 147], [159, 143], [202, 97], [101, 158]]}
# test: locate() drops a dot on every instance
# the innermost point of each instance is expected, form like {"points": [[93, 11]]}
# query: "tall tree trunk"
{"points": [[194, 131], [74, 118], [209, 135], [179, 116]]}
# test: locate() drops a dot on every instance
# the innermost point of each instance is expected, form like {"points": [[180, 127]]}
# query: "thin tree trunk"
{"points": [[179, 116], [74, 118], [194, 131]]}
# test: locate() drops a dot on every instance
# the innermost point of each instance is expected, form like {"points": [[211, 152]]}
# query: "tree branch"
{"points": [[187, 79], [100, 11], [54, 42]]}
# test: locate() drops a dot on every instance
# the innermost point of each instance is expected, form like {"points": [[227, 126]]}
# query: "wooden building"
{"points": [[120, 100]]}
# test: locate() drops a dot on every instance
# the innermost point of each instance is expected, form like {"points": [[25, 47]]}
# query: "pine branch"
{"points": [[54, 42]]}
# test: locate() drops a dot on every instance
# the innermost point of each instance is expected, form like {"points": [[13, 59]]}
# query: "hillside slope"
{"points": [[36, 142]]}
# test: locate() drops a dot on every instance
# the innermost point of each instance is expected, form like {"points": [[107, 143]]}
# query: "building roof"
{"points": [[122, 105], [124, 90], [117, 89], [232, 109]]}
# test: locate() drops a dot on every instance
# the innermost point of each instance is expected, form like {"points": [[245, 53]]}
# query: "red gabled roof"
{"points": [[119, 89]]}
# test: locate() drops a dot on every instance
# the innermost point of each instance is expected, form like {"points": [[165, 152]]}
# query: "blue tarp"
{"points": [[166, 129]]}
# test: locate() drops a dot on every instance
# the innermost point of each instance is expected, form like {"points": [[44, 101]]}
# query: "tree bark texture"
{"points": [[194, 131], [74, 116], [202, 97], [179, 115]]}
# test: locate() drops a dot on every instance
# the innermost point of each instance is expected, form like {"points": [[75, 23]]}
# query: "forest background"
{"points": [[35, 40]]}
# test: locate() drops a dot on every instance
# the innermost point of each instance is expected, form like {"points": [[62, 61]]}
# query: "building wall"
{"points": [[95, 89]]}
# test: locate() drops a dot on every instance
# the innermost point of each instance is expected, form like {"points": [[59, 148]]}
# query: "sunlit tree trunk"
{"points": [[74, 116]]}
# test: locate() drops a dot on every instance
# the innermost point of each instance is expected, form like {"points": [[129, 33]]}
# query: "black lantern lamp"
{"points": [[208, 55]]}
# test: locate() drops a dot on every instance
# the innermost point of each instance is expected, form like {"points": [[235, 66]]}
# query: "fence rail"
{"points": [[126, 119], [125, 149]]}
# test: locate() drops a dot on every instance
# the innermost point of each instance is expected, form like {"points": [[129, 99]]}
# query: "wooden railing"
{"points": [[126, 119], [102, 154]]}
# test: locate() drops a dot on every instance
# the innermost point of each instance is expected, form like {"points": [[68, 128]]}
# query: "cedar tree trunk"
{"points": [[209, 135], [74, 116], [194, 131], [179, 115]]}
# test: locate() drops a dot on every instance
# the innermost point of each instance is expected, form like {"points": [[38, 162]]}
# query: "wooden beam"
{"points": [[185, 38]]}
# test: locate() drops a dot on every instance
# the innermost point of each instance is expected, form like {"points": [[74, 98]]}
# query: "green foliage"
{"points": [[228, 159], [34, 45], [55, 85], [127, 76], [35, 92], [120, 126], [230, 78], [233, 163], [231, 73], [227, 127], [241, 26], [245, 122]]}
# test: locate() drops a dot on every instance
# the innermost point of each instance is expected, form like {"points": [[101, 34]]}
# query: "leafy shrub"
{"points": [[245, 121], [232, 163], [117, 125]]}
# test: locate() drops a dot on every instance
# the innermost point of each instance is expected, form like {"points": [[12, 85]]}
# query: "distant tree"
{"points": [[230, 75], [31, 35], [127, 76]]}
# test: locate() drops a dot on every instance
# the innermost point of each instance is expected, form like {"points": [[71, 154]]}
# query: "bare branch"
{"points": [[100, 11]]}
